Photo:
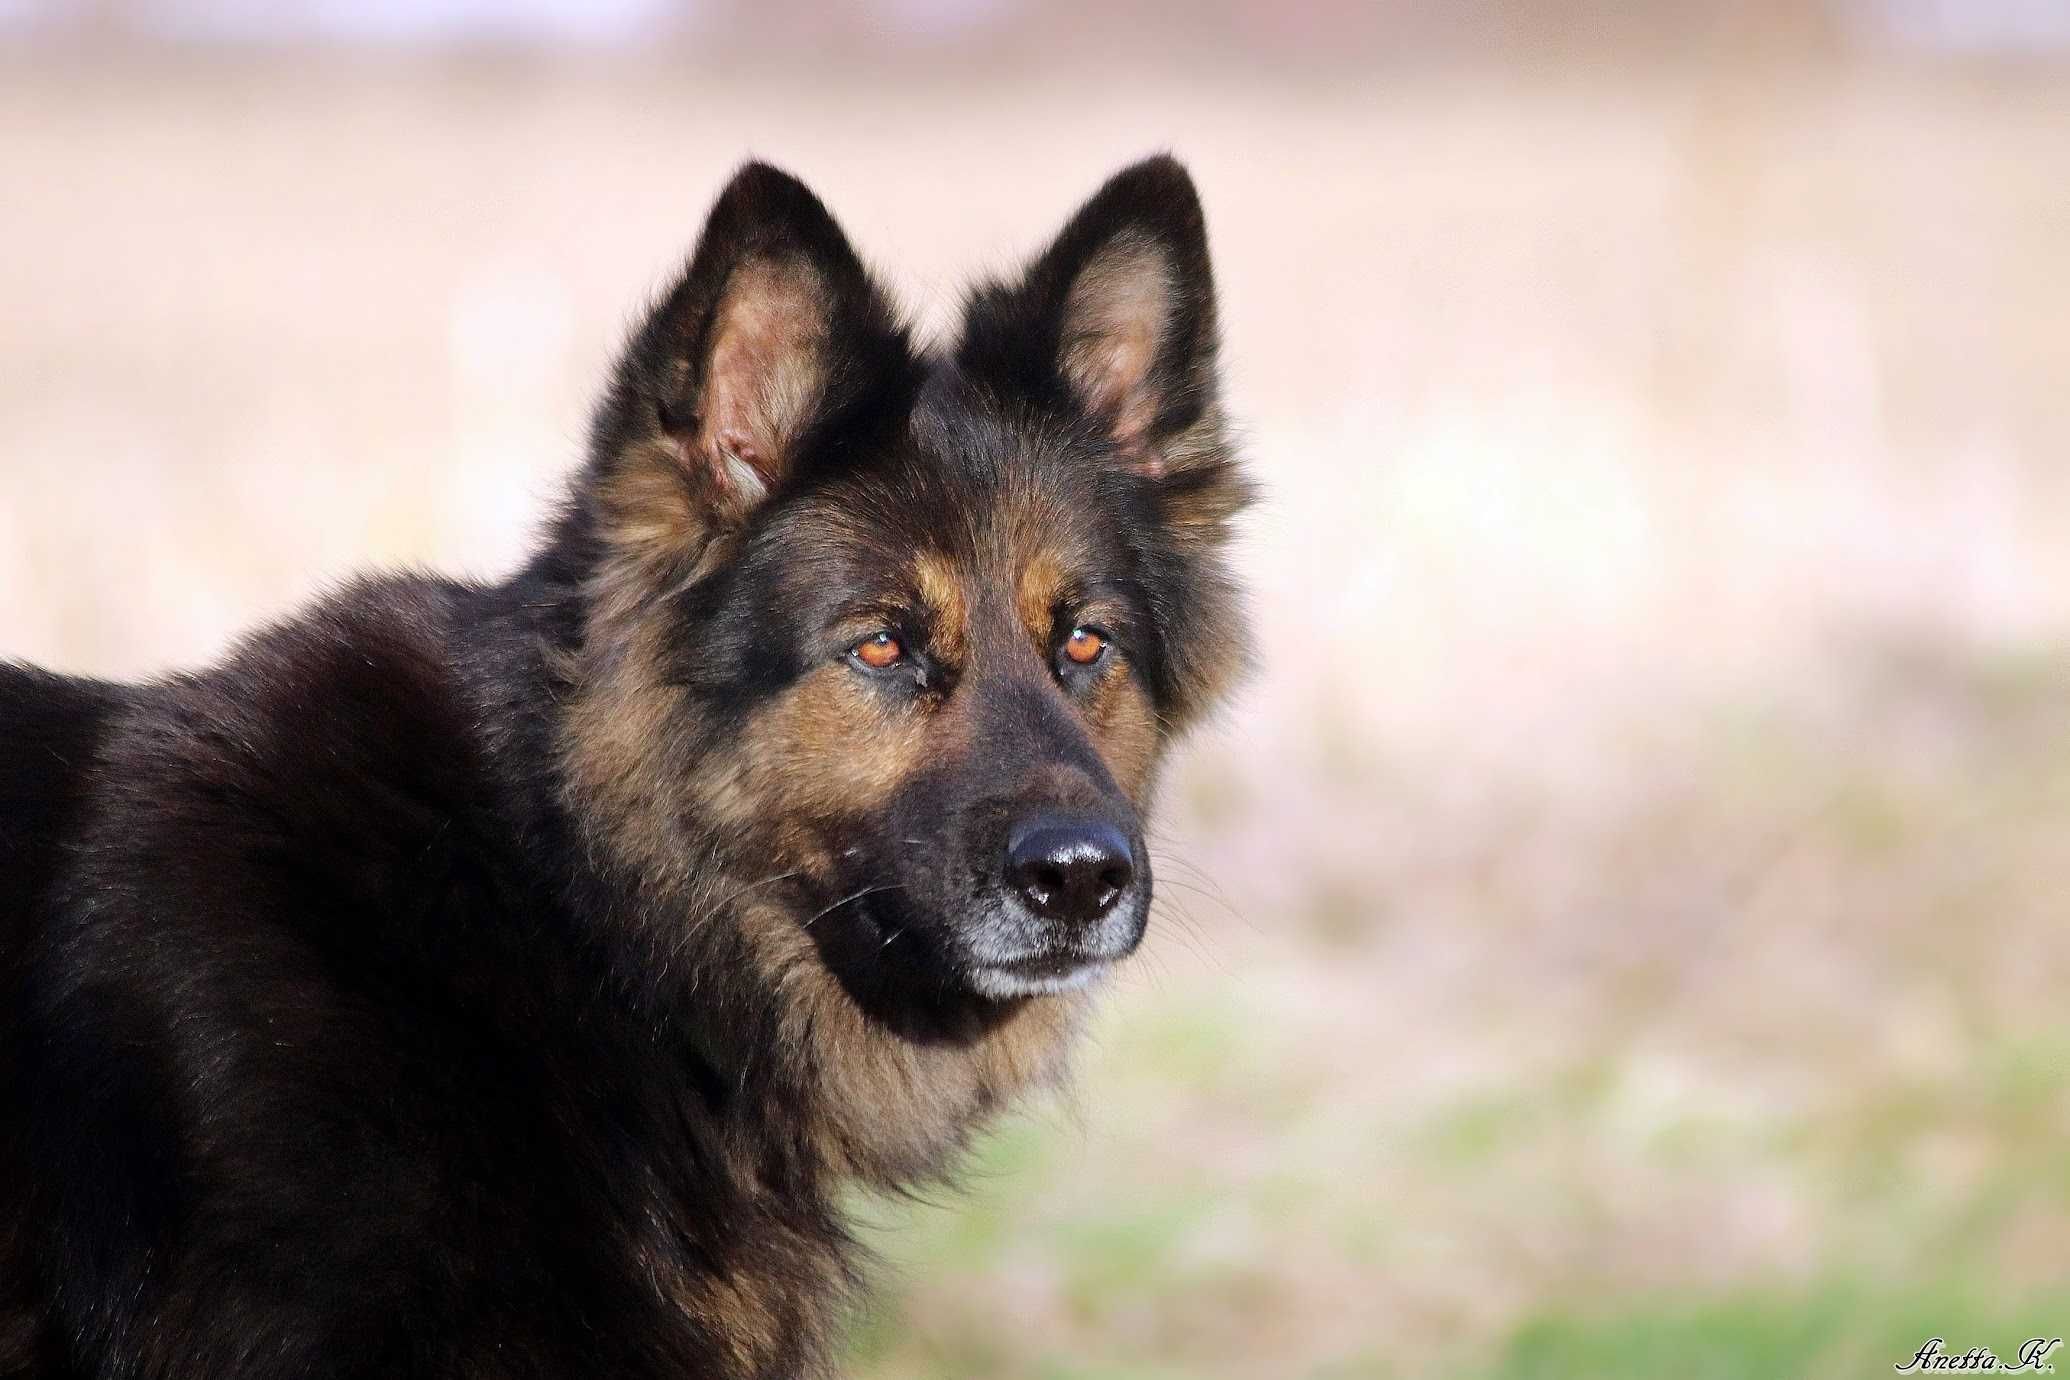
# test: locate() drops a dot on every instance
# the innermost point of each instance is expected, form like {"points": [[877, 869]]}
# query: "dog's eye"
{"points": [[879, 651], [1084, 647]]}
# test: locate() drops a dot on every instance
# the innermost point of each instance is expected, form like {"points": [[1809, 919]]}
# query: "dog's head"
{"points": [[897, 639]]}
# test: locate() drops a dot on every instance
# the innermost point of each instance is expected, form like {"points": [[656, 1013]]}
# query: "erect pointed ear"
{"points": [[773, 336], [1116, 319]]}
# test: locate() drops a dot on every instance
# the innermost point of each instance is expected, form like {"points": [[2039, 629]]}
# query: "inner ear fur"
{"points": [[773, 334], [765, 372], [1117, 319]]}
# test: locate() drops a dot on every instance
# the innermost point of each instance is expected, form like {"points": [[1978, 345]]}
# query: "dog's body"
{"points": [[508, 980]]}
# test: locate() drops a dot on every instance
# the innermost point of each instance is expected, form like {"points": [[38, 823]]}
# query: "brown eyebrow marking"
{"points": [[936, 578], [1044, 581]]}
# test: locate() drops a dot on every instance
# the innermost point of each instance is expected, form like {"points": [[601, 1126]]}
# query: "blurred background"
{"points": [[1622, 930]]}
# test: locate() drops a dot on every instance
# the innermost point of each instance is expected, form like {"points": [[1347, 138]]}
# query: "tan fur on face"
{"points": [[831, 748], [625, 734], [1124, 727]]}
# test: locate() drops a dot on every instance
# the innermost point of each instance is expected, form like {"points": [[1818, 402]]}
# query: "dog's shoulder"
{"points": [[309, 805], [331, 745]]}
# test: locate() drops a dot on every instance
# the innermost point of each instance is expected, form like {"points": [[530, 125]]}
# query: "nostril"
{"points": [[1047, 877]]}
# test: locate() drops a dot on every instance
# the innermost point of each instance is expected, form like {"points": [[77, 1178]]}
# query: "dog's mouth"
{"points": [[1015, 959], [1037, 975], [889, 939]]}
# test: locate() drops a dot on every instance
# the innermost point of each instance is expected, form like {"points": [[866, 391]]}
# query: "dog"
{"points": [[513, 980]]}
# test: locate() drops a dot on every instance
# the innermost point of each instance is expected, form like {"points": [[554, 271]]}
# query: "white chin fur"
{"points": [[1000, 984]]}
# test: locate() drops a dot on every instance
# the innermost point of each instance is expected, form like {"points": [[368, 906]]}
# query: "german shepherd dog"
{"points": [[514, 980]]}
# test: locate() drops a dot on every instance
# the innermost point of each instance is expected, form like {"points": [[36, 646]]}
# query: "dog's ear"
{"points": [[773, 336], [1115, 321]]}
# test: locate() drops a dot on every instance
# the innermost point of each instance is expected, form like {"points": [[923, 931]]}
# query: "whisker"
{"points": [[712, 912], [855, 896], [1206, 894]]}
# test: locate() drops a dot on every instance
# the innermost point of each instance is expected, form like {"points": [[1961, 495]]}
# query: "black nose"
{"points": [[1068, 869]]}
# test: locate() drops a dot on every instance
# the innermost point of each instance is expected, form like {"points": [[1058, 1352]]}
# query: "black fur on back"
{"points": [[385, 999]]}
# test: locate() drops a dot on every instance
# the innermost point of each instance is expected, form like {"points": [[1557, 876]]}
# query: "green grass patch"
{"points": [[1832, 1330]]}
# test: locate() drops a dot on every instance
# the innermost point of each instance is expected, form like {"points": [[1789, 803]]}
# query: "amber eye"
{"points": [[880, 651], [1084, 646]]}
